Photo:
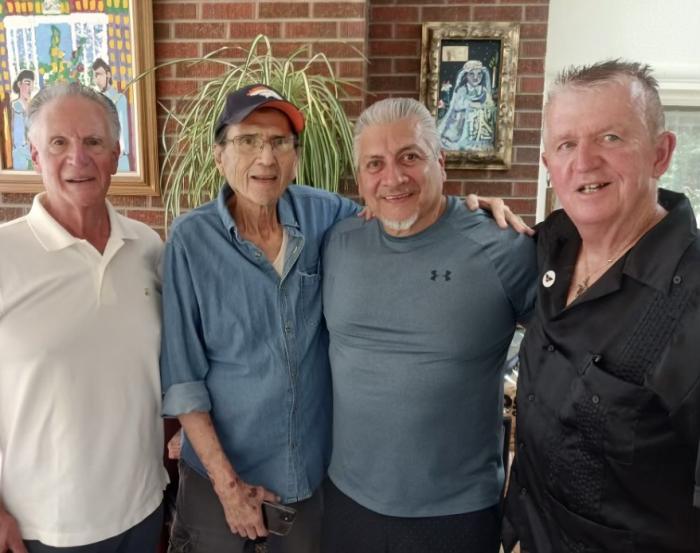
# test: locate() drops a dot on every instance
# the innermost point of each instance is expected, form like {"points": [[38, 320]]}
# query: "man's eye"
{"points": [[247, 140], [611, 138], [565, 146], [58, 142], [373, 165], [93, 141], [410, 157]]}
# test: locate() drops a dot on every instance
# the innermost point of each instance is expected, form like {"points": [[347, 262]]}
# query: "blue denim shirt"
{"points": [[249, 347]]}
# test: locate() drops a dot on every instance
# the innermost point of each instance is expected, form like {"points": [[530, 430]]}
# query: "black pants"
{"points": [[142, 538], [351, 528], [200, 524]]}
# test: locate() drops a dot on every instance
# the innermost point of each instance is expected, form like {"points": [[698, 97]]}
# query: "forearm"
{"points": [[201, 434]]}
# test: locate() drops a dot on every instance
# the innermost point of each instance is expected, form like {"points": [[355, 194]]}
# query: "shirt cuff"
{"points": [[186, 397]]}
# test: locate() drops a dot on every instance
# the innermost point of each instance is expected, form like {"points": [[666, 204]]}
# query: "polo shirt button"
{"points": [[257, 254], [521, 445], [597, 358], [523, 491], [551, 348], [677, 279], [595, 399], [531, 397]]}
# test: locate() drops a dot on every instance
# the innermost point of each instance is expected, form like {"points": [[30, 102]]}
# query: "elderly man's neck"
{"points": [[89, 223], [258, 224]]}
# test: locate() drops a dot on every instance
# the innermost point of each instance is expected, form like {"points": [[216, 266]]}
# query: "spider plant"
{"points": [[189, 176]]}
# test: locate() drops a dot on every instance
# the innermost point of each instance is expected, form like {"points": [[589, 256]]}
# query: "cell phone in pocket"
{"points": [[278, 518]]}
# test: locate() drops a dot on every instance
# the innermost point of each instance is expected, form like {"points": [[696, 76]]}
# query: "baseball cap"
{"points": [[244, 101]]}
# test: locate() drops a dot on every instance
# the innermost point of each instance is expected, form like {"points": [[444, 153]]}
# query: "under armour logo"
{"points": [[434, 275]]}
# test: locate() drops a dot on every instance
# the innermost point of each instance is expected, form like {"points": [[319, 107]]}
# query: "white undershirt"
{"points": [[278, 263]]}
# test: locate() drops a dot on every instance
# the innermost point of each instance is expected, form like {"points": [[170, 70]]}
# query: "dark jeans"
{"points": [[351, 528], [142, 538], [200, 524]]}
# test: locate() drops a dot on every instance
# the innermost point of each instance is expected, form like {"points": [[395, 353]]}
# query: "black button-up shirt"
{"points": [[608, 422]]}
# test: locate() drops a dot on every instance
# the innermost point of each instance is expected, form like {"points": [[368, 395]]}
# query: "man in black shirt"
{"points": [[609, 394]]}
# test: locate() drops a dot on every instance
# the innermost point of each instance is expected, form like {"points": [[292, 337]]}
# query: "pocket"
{"points": [[311, 301], [578, 534]]}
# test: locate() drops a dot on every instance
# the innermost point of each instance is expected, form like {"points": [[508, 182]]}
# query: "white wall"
{"points": [[663, 33]]}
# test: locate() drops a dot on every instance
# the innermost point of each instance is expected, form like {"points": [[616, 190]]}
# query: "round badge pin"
{"points": [[548, 279]]}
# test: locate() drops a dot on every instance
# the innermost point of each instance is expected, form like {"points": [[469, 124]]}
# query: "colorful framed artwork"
{"points": [[103, 44], [468, 82]]}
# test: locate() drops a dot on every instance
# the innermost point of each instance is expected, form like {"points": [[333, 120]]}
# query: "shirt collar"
{"points": [[285, 210], [53, 236]]}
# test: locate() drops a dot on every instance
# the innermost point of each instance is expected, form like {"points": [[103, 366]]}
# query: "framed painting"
{"points": [[468, 81], [103, 44]]}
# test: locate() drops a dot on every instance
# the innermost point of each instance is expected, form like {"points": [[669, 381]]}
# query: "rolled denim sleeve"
{"points": [[183, 362]]}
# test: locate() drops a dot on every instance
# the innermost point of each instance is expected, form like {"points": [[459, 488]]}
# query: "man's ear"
{"points": [[34, 153], [218, 150], [543, 157], [441, 161], [663, 152]]}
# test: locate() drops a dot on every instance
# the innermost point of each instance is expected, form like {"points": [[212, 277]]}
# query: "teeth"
{"points": [[588, 188]]}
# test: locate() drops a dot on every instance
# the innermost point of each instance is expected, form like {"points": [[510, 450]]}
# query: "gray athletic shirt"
{"points": [[419, 330]]}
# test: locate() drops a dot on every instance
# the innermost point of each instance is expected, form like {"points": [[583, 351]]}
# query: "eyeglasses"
{"points": [[251, 144]]}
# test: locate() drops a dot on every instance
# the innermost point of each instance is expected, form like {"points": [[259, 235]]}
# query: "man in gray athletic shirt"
{"points": [[421, 304]]}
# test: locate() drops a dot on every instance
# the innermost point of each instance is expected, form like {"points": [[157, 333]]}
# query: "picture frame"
{"points": [[104, 44], [468, 83]]}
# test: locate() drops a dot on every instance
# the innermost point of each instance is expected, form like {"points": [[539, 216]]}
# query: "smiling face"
{"points": [[76, 156], [399, 177], [258, 179], [600, 154]]}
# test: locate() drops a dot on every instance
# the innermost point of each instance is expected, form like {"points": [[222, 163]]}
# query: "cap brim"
{"points": [[294, 115]]}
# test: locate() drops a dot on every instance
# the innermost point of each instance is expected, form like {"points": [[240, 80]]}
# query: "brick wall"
{"points": [[386, 32]]}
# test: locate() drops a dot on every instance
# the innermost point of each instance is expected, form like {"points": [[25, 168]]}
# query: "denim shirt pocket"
{"points": [[311, 301]]}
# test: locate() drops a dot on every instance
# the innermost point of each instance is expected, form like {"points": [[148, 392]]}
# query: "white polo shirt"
{"points": [[80, 429]]}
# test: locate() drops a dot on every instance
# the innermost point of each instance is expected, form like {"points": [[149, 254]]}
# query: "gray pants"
{"points": [[200, 524], [142, 538]]}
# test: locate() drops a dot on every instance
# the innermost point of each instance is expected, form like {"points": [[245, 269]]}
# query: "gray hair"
{"points": [[644, 87], [391, 110], [67, 90]]}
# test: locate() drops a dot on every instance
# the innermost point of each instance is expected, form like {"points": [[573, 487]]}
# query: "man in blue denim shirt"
{"points": [[244, 354]]}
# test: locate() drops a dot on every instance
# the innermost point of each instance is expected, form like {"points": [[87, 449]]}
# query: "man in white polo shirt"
{"points": [[80, 429]]}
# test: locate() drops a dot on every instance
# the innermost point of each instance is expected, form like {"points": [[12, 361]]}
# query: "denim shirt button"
{"points": [[531, 397], [595, 399]]}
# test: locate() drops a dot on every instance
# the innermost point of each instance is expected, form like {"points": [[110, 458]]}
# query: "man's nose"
{"points": [[394, 174], [587, 156], [78, 154], [267, 154]]}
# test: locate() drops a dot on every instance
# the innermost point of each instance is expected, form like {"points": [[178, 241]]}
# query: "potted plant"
{"points": [[189, 176]]}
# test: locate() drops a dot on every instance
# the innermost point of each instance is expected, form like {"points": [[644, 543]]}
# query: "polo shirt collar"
{"points": [[285, 210], [53, 236]]}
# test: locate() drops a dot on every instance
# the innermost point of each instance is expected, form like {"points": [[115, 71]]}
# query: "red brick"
{"points": [[533, 48], [528, 120], [352, 108], [340, 49], [394, 48], [488, 188], [535, 66], [352, 29], [161, 31], [284, 49], [407, 65], [533, 30], [250, 29], [527, 155], [206, 70], [316, 68], [534, 85], [311, 29], [200, 30], [522, 172], [452, 188], [526, 189], [175, 88], [526, 138], [128, 201], [408, 31], [229, 10], [445, 13], [16, 198], [381, 30], [283, 10], [391, 14], [173, 50], [528, 101], [151, 218], [337, 10], [522, 206], [235, 49], [379, 66], [498, 13], [395, 83], [536, 13], [174, 11], [349, 69], [10, 213]]}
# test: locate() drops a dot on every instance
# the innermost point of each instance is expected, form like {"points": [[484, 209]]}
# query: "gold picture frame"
{"points": [[101, 43], [468, 82]]}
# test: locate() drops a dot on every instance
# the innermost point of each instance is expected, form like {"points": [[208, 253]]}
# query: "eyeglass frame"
{"points": [[262, 141]]}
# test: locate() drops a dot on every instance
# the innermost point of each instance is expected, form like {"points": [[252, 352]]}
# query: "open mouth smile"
{"points": [[592, 188]]}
